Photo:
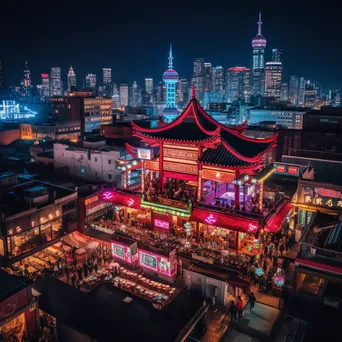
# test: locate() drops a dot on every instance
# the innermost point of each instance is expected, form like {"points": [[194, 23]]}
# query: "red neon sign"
{"points": [[161, 224], [252, 227], [328, 193], [45, 76], [281, 168], [210, 219], [293, 170]]}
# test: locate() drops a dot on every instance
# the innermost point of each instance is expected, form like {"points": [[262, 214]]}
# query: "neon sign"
{"points": [[124, 252], [210, 219], [293, 170], [161, 224], [158, 263], [130, 202], [281, 168], [252, 227], [107, 195], [328, 193]]}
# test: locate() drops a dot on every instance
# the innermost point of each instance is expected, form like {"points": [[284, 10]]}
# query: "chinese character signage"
{"points": [[290, 170], [158, 263], [124, 252], [320, 196], [161, 224]]}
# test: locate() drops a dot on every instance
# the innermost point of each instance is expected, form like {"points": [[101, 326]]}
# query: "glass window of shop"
{"points": [[218, 237]]}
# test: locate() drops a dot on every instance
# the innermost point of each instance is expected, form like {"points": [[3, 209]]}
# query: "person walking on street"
{"points": [[67, 272], [73, 278], [55, 270], [252, 300], [240, 307], [85, 269], [233, 311]]}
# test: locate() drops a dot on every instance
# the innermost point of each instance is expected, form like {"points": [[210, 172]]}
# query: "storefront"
{"points": [[125, 252]]}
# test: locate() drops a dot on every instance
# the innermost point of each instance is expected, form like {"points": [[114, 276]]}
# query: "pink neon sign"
{"points": [[107, 195], [161, 224], [130, 202], [210, 219], [124, 252], [252, 227]]}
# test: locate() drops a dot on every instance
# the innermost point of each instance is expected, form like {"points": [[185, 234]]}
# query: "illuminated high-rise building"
{"points": [[218, 79], [208, 72], [107, 82], [91, 81], [259, 45], [56, 85], [198, 77], [284, 92], [293, 89], [301, 92], [277, 55], [149, 85], [273, 75], [136, 99], [71, 79], [182, 91], [309, 94], [170, 78], [238, 84], [45, 88], [124, 98], [2, 73], [25, 84]]}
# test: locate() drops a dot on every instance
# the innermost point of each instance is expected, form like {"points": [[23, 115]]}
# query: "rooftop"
{"points": [[102, 315], [11, 284]]}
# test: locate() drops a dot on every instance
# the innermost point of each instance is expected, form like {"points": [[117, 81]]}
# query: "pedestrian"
{"points": [[85, 269], [233, 311], [73, 278], [78, 269], [264, 267], [240, 307], [252, 300], [275, 258], [67, 272], [95, 267], [55, 270], [281, 248], [60, 267]]}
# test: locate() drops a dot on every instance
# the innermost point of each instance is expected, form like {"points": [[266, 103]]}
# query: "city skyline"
{"points": [[299, 56]]}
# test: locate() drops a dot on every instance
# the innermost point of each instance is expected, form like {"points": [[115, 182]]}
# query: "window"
{"points": [[109, 161], [96, 159], [109, 176]]}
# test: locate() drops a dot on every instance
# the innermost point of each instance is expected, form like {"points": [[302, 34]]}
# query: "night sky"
{"points": [[133, 38]]}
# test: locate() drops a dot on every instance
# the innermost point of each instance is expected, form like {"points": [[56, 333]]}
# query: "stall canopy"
{"points": [[277, 219], [226, 221]]}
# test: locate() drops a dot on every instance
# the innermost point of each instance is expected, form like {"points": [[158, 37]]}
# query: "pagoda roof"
{"points": [[195, 126]]}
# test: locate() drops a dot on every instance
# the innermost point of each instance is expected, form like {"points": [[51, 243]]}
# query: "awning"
{"points": [[225, 220], [277, 218], [319, 265], [120, 198]]}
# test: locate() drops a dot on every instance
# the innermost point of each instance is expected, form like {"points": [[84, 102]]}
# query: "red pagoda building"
{"points": [[202, 177]]}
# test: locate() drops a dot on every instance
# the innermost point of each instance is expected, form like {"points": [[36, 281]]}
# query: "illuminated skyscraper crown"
{"points": [[259, 40]]}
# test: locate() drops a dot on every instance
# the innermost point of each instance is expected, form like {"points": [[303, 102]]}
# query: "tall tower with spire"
{"points": [[71, 78], [170, 77], [25, 84], [259, 45]]}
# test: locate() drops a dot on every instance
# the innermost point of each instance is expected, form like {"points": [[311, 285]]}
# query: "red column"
{"points": [[161, 173], [237, 190]]}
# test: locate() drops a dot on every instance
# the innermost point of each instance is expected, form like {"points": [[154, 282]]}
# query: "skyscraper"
{"points": [[149, 85], [238, 84], [208, 71], [56, 85], [170, 78], [273, 74], [135, 95], [45, 88], [301, 92], [277, 55], [182, 91], [2, 72], [107, 82], [218, 79], [71, 78], [309, 94], [124, 99], [25, 84], [293, 90], [91, 81], [198, 77], [259, 45], [284, 92]]}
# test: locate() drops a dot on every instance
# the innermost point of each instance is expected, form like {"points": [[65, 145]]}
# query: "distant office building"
{"points": [[107, 87], [45, 88], [91, 81], [212, 97], [217, 85], [25, 85], [334, 97], [56, 85], [293, 90], [238, 84], [301, 90], [71, 79], [277, 55], [198, 77], [259, 45], [309, 94], [124, 97], [149, 85], [288, 119], [273, 75], [135, 95], [319, 93], [208, 71], [284, 92], [2, 74], [182, 91]]}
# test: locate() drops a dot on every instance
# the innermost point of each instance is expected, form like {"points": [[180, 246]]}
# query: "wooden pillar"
{"points": [[200, 185], [237, 191], [142, 176], [261, 195], [237, 241], [126, 179], [161, 173]]}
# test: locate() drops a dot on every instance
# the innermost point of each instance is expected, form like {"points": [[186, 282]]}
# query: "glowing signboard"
{"points": [[252, 227], [158, 263], [124, 252], [45, 76], [130, 202], [210, 219], [144, 153], [285, 169], [323, 197], [92, 199], [107, 195], [161, 224], [281, 168], [293, 170]]}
